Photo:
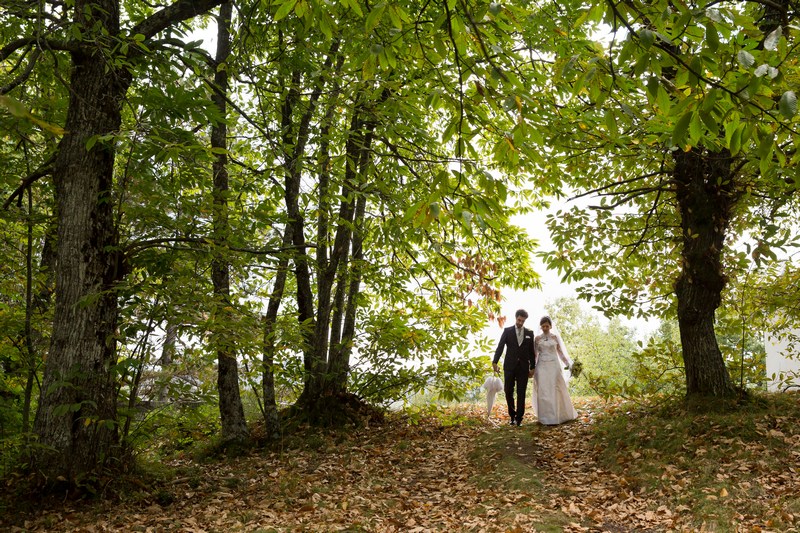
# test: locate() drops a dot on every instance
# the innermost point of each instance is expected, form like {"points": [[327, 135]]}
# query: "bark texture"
{"points": [[706, 195], [76, 419], [234, 425]]}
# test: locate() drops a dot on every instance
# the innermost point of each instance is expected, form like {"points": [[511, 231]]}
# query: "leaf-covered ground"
{"points": [[632, 471]]}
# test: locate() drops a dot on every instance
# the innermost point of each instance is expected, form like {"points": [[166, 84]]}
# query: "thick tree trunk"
{"points": [[76, 420], [234, 425], [77, 417], [706, 196]]}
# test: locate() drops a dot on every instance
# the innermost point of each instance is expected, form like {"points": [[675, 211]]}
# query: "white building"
{"points": [[783, 361]]}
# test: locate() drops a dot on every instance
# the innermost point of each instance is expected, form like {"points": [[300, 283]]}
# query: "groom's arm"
{"points": [[499, 351]]}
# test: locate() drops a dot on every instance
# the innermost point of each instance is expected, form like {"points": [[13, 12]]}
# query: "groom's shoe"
{"points": [[512, 422], [518, 423]]}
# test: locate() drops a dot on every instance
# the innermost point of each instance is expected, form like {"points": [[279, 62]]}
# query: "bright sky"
{"points": [[534, 301]]}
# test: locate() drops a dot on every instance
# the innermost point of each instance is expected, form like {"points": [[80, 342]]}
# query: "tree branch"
{"points": [[598, 190], [40, 172], [49, 44], [163, 242], [177, 12], [20, 79]]}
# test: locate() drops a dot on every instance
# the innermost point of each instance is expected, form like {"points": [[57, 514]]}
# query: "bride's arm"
{"points": [[561, 354]]}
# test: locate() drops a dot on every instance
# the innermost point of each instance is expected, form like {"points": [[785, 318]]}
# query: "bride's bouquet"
{"points": [[576, 369]]}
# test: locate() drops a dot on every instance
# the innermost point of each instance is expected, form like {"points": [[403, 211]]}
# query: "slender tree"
{"points": [[234, 426]]}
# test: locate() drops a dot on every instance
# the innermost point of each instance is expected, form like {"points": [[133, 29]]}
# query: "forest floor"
{"points": [[615, 469]]}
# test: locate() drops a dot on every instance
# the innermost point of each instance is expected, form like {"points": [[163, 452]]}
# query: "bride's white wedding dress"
{"points": [[551, 401]]}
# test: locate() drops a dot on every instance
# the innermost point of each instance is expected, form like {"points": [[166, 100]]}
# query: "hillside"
{"points": [[617, 468]]}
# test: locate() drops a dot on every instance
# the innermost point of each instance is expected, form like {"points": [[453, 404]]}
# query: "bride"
{"points": [[551, 401]]}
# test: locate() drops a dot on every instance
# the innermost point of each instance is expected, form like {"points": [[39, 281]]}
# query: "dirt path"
{"points": [[476, 476]]}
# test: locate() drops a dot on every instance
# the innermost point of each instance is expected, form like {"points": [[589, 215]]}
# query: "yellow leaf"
{"points": [[723, 493]]}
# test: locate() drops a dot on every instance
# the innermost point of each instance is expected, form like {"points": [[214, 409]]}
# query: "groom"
{"points": [[517, 365]]}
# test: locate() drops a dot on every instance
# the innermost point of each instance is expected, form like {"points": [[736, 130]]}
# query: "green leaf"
{"points": [[682, 126], [735, 143], [710, 100], [664, 102], [710, 122], [641, 64], [730, 128], [712, 37], [374, 18], [301, 8], [765, 147], [652, 86], [647, 38], [611, 123], [695, 128], [353, 4], [285, 9], [325, 26], [788, 104]]}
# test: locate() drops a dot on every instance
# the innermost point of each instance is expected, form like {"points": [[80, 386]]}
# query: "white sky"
{"points": [[534, 301]]}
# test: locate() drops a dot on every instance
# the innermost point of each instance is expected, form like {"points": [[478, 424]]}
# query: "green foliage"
{"points": [[176, 428], [401, 356], [614, 364], [498, 132], [677, 78], [618, 366]]}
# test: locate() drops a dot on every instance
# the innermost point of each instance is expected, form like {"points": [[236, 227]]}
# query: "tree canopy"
{"points": [[322, 205]]}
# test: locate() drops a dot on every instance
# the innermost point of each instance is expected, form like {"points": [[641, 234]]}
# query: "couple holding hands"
{"points": [[541, 357]]}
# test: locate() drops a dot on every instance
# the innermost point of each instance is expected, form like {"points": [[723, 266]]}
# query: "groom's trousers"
{"points": [[516, 378]]}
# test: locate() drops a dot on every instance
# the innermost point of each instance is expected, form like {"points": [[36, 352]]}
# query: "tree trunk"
{"points": [[358, 143], [30, 350], [234, 426], [271, 421], [339, 361], [166, 360], [294, 141], [706, 196], [76, 420]]}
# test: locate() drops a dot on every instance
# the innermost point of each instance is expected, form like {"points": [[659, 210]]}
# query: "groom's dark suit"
{"points": [[519, 360]]}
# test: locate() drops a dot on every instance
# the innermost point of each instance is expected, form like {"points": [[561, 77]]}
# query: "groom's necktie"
{"points": [[520, 333]]}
